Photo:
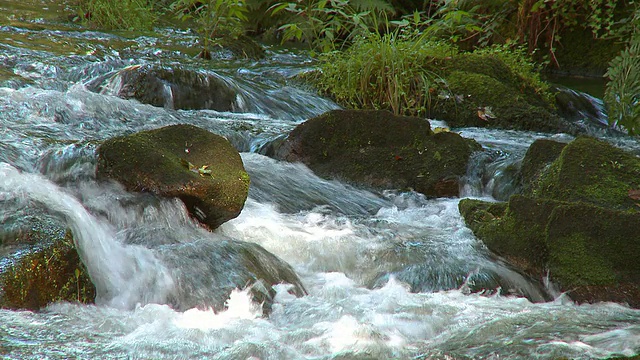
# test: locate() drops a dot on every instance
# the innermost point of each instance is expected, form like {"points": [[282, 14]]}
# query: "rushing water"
{"points": [[389, 274]]}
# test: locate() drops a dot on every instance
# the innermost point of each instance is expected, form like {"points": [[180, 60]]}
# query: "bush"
{"points": [[384, 71], [326, 24], [118, 15], [213, 19], [622, 93]]}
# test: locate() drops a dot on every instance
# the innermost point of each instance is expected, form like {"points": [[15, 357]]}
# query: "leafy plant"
{"points": [[472, 21], [541, 21], [124, 15], [213, 18], [326, 24], [622, 93]]}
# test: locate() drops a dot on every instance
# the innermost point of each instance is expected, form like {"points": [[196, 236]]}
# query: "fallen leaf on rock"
{"points": [[634, 194]]}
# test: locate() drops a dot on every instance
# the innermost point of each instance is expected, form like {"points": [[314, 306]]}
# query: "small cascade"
{"points": [[587, 112], [123, 275]]}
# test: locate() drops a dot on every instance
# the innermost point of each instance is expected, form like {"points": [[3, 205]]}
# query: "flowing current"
{"points": [[389, 274]]}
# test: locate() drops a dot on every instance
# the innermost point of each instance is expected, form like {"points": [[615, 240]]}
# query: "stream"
{"points": [[389, 274]]}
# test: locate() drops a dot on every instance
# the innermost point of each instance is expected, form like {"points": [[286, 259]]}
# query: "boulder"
{"points": [[40, 265], [184, 161], [538, 157], [174, 88], [590, 252], [578, 220], [379, 149]]}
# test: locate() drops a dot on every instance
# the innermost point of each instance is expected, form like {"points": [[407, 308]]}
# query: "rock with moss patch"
{"points": [[590, 252], [183, 161], [44, 269], [174, 88], [376, 148]]}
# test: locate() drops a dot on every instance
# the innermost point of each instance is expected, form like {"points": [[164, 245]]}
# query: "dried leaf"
{"points": [[634, 194]]}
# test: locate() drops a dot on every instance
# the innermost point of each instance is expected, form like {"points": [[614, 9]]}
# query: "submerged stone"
{"points": [[201, 168], [379, 149], [206, 272], [174, 88]]}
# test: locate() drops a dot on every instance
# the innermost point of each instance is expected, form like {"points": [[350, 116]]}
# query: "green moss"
{"points": [[592, 171], [539, 155], [573, 263]]}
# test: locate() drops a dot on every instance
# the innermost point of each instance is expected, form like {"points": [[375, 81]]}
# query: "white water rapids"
{"points": [[389, 275]]}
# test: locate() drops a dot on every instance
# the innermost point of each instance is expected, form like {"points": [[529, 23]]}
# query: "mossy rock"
{"points": [[174, 88], [590, 252], [594, 172], [594, 253], [378, 149], [515, 232], [201, 168], [36, 275], [538, 157]]}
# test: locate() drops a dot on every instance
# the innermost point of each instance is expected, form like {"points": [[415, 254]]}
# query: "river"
{"points": [[359, 253]]}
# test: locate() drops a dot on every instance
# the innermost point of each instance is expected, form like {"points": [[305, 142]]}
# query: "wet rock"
{"points": [[376, 148], [578, 220], [41, 266], [198, 167], [215, 268], [173, 88]]}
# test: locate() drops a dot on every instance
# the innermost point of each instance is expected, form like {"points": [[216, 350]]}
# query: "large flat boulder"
{"points": [[201, 168], [379, 149]]}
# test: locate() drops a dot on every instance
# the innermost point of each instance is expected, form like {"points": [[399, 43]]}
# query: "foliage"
{"points": [[622, 94], [541, 21], [471, 21], [212, 18], [125, 14], [385, 71], [326, 24]]}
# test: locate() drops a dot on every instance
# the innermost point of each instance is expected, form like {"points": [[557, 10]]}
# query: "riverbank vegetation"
{"points": [[388, 54]]}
